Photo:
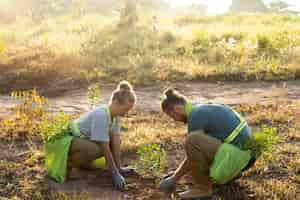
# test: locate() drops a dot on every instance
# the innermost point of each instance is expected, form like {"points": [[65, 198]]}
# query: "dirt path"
{"points": [[149, 97]]}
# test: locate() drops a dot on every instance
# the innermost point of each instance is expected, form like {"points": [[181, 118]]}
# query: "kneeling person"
{"points": [[93, 135], [213, 131]]}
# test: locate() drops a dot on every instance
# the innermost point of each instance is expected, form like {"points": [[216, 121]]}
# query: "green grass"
{"points": [[152, 160]]}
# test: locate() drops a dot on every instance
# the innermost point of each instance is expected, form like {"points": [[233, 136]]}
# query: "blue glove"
{"points": [[119, 181], [167, 185]]}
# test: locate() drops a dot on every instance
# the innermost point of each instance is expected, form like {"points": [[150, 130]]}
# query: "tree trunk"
{"points": [[128, 17]]}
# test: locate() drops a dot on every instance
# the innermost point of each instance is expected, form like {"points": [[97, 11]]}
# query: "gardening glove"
{"points": [[168, 184], [119, 181]]}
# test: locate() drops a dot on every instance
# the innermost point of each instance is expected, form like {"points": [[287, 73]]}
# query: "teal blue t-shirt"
{"points": [[218, 121]]}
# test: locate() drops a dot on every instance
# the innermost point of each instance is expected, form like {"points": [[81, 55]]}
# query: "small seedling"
{"points": [[52, 128], [263, 141], [93, 94], [152, 160]]}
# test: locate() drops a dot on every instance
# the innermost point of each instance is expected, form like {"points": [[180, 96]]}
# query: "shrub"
{"points": [[93, 94], [152, 160], [263, 142], [54, 127]]}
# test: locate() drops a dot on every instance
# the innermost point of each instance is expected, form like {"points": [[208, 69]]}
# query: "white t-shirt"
{"points": [[97, 124]]}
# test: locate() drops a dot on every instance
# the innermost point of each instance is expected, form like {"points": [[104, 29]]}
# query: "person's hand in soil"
{"points": [[168, 184], [119, 181]]}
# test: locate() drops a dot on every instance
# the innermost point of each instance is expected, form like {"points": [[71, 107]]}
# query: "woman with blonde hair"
{"points": [[93, 135]]}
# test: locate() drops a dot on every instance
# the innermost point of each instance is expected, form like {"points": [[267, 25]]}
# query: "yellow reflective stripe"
{"points": [[188, 108], [237, 130], [110, 119], [75, 129]]}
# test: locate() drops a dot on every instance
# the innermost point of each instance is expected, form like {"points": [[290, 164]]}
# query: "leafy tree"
{"points": [[128, 17], [277, 5]]}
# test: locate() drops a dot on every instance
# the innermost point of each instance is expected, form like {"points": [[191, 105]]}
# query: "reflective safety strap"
{"points": [[188, 108], [75, 130], [110, 120], [237, 130]]}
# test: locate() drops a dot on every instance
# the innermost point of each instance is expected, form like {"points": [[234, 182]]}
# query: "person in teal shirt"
{"points": [[217, 120], [209, 126]]}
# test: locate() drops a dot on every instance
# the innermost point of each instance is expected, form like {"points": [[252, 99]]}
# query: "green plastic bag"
{"points": [[228, 163], [56, 157]]}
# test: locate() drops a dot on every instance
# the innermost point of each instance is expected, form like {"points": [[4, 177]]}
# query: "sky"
{"points": [[222, 5]]}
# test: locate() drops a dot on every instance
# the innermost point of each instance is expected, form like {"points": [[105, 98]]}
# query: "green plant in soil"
{"points": [[152, 160]]}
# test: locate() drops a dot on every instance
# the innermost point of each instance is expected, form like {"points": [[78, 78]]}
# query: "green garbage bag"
{"points": [[228, 163], [57, 151]]}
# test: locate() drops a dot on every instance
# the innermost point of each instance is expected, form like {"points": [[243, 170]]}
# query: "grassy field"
{"points": [[275, 175], [66, 51]]}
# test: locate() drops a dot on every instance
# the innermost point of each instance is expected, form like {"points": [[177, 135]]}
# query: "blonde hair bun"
{"points": [[124, 86], [124, 93]]}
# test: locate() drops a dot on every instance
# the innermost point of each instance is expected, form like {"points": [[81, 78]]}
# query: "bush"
{"points": [[264, 42], [93, 94], [201, 41], [167, 38], [237, 36], [32, 104], [152, 160], [263, 142], [54, 127], [26, 116]]}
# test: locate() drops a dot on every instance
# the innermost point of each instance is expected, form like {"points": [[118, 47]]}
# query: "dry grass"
{"points": [[275, 177], [63, 51]]}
